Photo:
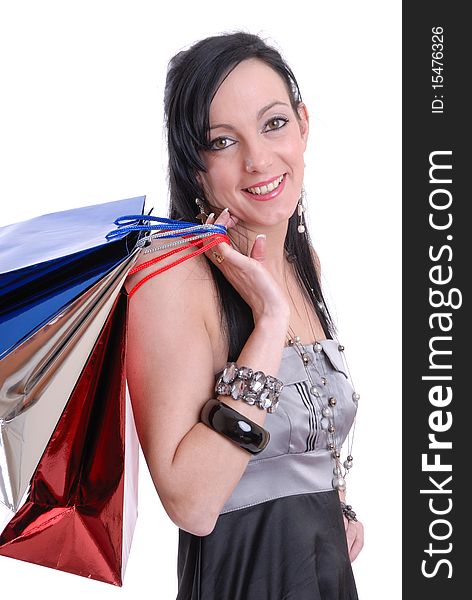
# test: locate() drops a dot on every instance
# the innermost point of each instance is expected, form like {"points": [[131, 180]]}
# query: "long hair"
{"points": [[193, 78]]}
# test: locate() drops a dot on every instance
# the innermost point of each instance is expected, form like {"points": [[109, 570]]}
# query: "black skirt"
{"points": [[290, 548]]}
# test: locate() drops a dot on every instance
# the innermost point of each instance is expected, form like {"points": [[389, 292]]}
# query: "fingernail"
{"points": [[225, 210], [261, 235], [210, 216]]}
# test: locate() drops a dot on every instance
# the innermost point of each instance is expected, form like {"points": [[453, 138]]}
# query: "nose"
{"points": [[257, 157]]}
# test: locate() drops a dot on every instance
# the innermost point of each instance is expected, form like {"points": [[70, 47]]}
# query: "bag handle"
{"points": [[195, 234], [201, 246]]}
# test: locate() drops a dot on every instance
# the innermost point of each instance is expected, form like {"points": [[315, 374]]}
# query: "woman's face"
{"points": [[255, 164]]}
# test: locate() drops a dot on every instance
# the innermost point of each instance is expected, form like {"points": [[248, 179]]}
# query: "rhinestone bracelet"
{"points": [[348, 512], [254, 387]]}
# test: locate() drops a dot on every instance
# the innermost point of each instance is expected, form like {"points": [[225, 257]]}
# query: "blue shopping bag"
{"points": [[48, 261]]}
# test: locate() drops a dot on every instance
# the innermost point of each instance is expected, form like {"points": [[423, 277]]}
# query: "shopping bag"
{"points": [[68, 444], [81, 508]]}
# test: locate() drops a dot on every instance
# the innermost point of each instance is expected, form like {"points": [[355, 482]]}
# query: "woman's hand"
{"points": [[354, 536], [247, 274]]}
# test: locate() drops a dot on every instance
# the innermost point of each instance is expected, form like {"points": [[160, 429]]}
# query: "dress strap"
{"points": [[200, 245]]}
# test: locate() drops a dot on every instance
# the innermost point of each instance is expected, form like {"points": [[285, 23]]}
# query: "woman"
{"points": [[263, 520]]}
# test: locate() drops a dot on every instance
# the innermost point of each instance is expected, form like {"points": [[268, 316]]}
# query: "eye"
{"points": [[221, 143], [275, 123]]}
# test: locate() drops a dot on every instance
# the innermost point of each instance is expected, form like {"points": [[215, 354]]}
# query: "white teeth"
{"points": [[266, 188]]}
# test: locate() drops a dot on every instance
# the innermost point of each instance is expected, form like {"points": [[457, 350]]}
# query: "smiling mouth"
{"points": [[265, 189]]}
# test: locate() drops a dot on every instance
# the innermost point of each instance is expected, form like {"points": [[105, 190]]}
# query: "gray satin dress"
{"points": [[280, 535]]}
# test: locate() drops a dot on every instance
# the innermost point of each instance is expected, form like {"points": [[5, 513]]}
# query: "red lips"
{"points": [[270, 195]]}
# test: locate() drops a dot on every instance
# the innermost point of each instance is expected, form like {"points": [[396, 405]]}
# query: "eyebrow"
{"points": [[263, 110]]}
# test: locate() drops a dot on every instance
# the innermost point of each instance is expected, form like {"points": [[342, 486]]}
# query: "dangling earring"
{"points": [[202, 216], [301, 209]]}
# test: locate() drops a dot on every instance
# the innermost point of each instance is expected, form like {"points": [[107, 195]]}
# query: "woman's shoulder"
{"points": [[183, 294], [155, 257]]}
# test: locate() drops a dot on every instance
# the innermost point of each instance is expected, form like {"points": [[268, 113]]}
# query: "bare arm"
{"points": [[171, 374], [217, 464]]}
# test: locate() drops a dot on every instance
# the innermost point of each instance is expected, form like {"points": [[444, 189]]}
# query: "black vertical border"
{"points": [[425, 132]]}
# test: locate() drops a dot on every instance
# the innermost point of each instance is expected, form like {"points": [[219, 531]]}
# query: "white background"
{"points": [[81, 123]]}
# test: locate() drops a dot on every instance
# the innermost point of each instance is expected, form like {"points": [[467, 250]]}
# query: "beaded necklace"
{"points": [[326, 402]]}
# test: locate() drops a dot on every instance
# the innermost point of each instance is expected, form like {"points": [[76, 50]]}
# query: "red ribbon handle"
{"points": [[201, 246]]}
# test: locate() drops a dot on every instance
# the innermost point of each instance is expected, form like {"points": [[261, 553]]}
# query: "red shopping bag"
{"points": [[81, 509]]}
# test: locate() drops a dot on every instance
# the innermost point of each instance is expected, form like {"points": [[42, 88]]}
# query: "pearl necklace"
{"points": [[340, 470]]}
